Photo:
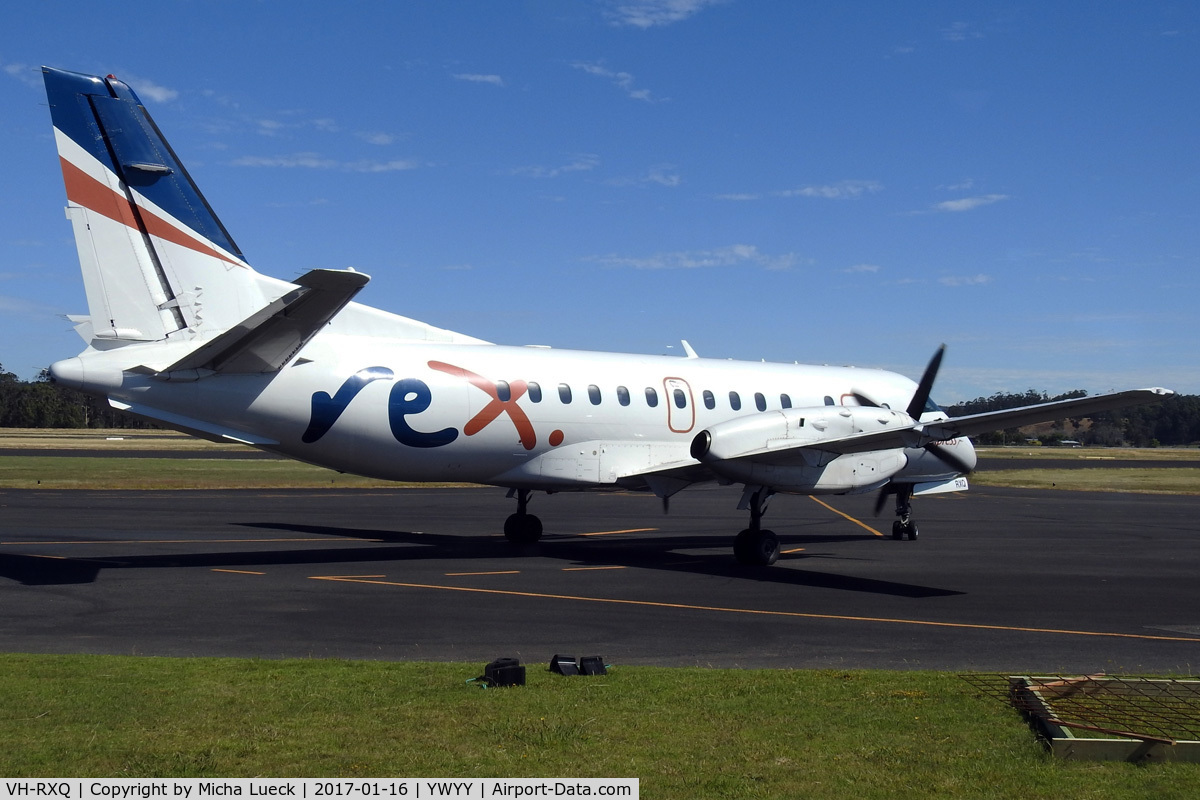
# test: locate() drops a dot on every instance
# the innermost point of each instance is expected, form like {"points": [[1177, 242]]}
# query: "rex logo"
{"points": [[412, 396]]}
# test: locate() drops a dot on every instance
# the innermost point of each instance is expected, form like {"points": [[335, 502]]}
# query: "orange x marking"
{"points": [[497, 407]]}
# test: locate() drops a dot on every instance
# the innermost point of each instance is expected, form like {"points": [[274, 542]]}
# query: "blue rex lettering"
{"points": [[408, 396]]}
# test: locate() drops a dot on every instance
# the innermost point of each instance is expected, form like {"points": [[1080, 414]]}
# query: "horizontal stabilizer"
{"points": [[196, 427], [268, 339]]}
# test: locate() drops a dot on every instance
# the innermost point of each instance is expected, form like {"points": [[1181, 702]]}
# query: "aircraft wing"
{"points": [[974, 424], [268, 339], [899, 431]]}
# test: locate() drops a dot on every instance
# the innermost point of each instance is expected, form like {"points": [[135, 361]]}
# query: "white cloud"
{"points": [[962, 186], [961, 32], [736, 255], [26, 74], [622, 79], [314, 161], [395, 165], [582, 163], [738, 197], [968, 203], [146, 89], [662, 175], [860, 268], [376, 137], [494, 80], [965, 280], [651, 13], [835, 191]]}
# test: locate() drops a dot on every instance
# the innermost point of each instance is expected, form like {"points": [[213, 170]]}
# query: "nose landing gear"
{"points": [[755, 546]]}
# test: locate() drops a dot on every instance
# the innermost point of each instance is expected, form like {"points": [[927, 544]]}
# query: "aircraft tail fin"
{"points": [[149, 244]]}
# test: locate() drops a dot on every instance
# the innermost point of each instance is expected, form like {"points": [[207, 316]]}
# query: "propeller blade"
{"points": [[917, 404], [863, 400], [881, 498], [949, 458]]}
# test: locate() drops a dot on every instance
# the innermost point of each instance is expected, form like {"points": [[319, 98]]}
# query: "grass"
{"points": [[115, 472], [218, 472], [683, 732], [109, 439], [1091, 453], [1172, 480]]}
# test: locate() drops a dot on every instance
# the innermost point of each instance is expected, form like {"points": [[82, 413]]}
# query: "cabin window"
{"points": [[828, 400], [564, 393], [735, 401], [594, 394], [785, 401], [503, 391], [680, 398], [760, 402], [622, 395], [535, 392], [710, 402], [651, 397]]}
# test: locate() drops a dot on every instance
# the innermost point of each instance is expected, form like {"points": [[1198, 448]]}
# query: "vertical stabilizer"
{"points": [[149, 244]]}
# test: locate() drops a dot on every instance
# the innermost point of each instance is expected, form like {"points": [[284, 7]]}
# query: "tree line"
{"points": [[1173, 422], [42, 404]]}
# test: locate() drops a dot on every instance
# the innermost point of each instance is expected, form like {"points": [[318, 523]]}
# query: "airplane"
{"points": [[183, 332]]}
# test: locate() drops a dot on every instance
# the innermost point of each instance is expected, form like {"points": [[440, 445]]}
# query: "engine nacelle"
{"points": [[769, 449]]}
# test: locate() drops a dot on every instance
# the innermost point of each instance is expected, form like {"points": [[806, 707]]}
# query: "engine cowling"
{"points": [[776, 449]]}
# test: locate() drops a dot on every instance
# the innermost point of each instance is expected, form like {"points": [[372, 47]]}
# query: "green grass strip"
{"points": [[115, 472], [1173, 480], [686, 733]]}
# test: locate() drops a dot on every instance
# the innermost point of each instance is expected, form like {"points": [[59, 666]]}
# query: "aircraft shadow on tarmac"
{"points": [[651, 552]]}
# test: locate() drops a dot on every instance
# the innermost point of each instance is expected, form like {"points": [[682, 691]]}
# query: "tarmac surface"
{"points": [[1007, 580]]}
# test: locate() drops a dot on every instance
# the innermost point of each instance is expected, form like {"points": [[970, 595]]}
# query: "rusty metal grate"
{"points": [[1152, 709]]}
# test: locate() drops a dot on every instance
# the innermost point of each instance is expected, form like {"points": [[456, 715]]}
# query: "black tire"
{"points": [[756, 548], [522, 528], [898, 530]]}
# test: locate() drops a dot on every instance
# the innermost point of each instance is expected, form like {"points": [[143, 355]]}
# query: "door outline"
{"points": [[676, 416]]}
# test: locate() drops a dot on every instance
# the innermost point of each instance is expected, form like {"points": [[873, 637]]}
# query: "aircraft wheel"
{"points": [[898, 530], [756, 548], [912, 531], [522, 528]]}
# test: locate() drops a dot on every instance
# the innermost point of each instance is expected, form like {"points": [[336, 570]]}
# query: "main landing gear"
{"points": [[522, 527], [904, 525], [755, 546]]}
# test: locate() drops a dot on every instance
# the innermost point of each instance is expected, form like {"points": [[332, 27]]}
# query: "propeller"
{"points": [[916, 406], [921, 396]]}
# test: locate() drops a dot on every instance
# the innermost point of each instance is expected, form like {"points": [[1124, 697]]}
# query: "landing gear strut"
{"points": [[755, 546], [904, 525], [522, 527]]}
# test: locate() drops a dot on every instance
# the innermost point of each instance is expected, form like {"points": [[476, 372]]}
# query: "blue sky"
{"points": [[849, 183]]}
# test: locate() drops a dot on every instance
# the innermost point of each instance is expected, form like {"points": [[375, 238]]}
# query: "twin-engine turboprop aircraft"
{"points": [[183, 332]]}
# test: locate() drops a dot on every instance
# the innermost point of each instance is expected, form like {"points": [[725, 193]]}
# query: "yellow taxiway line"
{"points": [[847, 516], [762, 612]]}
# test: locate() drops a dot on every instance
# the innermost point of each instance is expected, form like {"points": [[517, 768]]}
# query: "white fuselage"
{"points": [[512, 416]]}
